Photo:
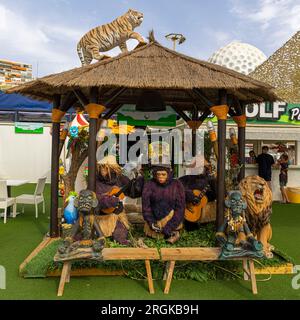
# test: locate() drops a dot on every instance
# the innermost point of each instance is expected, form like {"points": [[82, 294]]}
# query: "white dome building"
{"points": [[238, 56]]}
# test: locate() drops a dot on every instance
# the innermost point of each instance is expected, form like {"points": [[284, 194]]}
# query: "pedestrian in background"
{"points": [[265, 162], [283, 164]]}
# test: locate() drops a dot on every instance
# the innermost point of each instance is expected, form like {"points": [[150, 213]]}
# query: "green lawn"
{"points": [[21, 235]]}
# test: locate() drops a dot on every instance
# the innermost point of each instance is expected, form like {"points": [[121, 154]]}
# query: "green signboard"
{"points": [[165, 118], [29, 127], [279, 113]]}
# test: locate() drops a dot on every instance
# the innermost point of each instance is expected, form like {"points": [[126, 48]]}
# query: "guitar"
{"points": [[117, 192], [193, 211]]}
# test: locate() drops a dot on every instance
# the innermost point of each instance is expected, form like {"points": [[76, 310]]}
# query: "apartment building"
{"points": [[14, 73]]}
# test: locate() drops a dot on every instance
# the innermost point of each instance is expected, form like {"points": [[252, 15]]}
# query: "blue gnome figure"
{"points": [[70, 212]]}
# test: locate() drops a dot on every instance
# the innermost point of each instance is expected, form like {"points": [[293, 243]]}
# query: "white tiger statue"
{"points": [[109, 36]]}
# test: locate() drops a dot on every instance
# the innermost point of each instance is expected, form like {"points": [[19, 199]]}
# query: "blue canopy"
{"points": [[17, 102]]}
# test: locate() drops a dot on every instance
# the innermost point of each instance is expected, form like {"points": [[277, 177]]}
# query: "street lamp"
{"points": [[176, 37]]}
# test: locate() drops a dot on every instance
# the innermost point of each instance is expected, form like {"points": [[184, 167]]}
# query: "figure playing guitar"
{"points": [[193, 209], [199, 190], [111, 188]]}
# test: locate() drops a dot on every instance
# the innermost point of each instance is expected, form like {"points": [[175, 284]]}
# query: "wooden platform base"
{"points": [[88, 272], [115, 254], [38, 249], [287, 268], [171, 255]]}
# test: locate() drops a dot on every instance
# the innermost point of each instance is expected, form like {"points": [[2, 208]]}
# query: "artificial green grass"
{"points": [[43, 262], [200, 271], [21, 235]]}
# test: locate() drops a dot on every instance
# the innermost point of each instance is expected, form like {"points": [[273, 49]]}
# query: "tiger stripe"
{"points": [[108, 36]]}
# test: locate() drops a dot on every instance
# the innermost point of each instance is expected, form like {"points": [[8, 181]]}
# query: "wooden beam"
{"points": [[68, 101], [130, 254], [203, 97], [181, 114], [221, 163], [81, 97], [193, 100], [251, 96], [195, 254], [125, 99], [237, 106], [115, 96], [84, 101], [204, 115], [54, 230], [112, 111]]}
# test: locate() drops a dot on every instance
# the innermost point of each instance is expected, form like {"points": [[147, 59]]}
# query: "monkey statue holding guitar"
{"points": [[111, 188], [199, 190]]}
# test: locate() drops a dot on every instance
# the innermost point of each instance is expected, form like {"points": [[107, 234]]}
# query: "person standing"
{"points": [[283, 163], [252, 157], [265, 162]]}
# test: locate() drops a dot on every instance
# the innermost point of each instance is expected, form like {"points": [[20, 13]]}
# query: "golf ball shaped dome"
{"points": [[238, 56]]}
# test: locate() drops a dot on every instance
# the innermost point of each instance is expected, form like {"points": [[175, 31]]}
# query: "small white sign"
{"points": [[2, 278]]}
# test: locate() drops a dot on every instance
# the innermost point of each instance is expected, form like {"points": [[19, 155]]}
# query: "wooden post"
{"points": [[149, 276], [92, 144], [92, 155], [221, 113], [246, 269], [56, 118], [166, 270], [242, 122], [65, 277], [194, 132], [252, 276], [94, 110], [194, 125], [169, 277], [242, 145]]}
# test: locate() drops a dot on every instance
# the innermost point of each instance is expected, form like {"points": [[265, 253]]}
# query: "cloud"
{"points": [[220, 37], [278, 20], [48, 45]]}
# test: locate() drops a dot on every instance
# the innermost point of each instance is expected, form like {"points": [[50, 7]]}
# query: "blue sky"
{"points": [[45, 32]]}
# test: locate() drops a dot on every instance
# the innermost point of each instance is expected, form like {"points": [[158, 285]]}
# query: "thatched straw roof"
{"points": [[151, 66], [282, 70]]}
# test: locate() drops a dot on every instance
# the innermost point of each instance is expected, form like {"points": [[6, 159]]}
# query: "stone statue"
{"points": [[85, 233], [234, 235]]}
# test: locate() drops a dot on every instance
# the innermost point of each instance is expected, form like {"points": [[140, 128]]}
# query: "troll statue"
{"points": [[234, 235], [85, 233]]}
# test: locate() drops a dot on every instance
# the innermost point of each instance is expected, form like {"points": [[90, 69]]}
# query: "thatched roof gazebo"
{"points": [[184, 83], [282, 70]]}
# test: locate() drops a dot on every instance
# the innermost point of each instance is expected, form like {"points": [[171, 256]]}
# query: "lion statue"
{"points": [[258, 196]]}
